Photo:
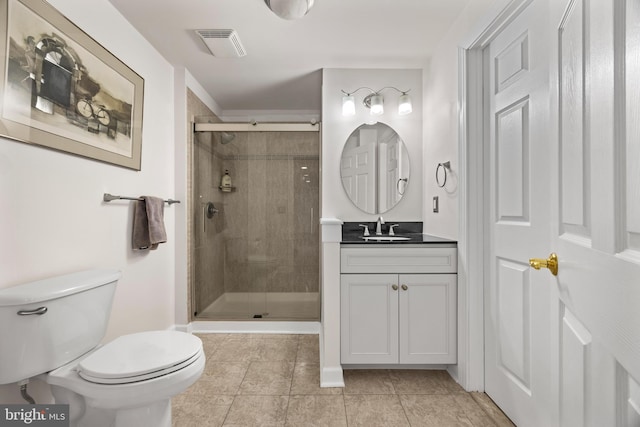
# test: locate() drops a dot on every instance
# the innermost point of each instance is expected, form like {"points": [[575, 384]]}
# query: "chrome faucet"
{"points": [[379, 226]]}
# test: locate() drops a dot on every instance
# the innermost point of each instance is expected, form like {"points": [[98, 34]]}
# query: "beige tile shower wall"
{"points": [[236, 213], [206, 243], [272, 218]]}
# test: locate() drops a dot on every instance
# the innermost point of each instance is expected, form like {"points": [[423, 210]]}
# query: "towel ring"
{"points": [[398, 185], [444, 166]]}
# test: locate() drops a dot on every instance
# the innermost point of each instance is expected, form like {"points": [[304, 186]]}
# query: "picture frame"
{"points": [[63, 90]]}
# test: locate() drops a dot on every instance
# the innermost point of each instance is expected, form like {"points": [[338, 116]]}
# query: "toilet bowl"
{"points": [[55, 326], [129, 381]]}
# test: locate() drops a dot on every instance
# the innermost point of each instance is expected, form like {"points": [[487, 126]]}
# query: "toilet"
{"points": [[52, 330]]}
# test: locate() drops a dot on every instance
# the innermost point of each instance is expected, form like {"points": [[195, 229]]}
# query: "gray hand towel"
{"points": [[148, 223]]}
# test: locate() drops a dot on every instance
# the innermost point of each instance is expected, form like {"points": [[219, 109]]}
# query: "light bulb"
{"points": [[348, 105], [376, 105], [404, 105]]}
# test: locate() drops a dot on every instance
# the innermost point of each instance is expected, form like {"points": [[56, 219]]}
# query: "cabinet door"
{"points": [[369, 318], [428, 318]]}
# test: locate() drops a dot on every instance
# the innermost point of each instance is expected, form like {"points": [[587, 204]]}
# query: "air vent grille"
{"points": [[222, 43]]}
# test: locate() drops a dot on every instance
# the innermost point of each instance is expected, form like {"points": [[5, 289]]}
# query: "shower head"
{"points": [[226, 137]]}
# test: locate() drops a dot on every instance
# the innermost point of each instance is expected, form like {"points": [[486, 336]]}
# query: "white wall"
{"points": [[336, 129], [441, 117], [52, 218]]}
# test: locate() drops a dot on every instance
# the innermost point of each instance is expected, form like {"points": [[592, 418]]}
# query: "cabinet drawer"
{"points": [[398, 260]]}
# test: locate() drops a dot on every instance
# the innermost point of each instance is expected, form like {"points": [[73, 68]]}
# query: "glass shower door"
{"points": [[267, 230]]}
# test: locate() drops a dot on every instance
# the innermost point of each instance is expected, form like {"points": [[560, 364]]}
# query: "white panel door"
{"points": [[358, 171], [596, 180], [565, 350], [392, 173], [518, 315], [428, 318]]}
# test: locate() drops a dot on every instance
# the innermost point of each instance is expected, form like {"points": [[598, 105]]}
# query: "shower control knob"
{"points": [[210, 210]]}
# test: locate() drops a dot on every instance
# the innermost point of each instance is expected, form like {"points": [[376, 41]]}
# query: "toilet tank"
{"points": [[75, 311]]}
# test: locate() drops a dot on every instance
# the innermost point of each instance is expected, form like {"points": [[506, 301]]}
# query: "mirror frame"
{"points": [[372, 188]]}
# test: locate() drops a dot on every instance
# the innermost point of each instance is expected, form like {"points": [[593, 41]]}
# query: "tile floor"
{"points": [[273, 380]]}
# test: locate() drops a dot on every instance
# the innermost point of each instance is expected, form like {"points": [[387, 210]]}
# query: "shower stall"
{"points": [[254, 247]]}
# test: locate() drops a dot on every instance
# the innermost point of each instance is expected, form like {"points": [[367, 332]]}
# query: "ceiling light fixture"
{"points": [[375, 102], [290, 9]]}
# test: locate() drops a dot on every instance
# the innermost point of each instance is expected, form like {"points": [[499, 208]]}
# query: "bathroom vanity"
{"points": [[398, 299], [398, 287]]}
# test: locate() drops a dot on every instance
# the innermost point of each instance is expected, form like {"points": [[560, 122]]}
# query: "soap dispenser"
{"points": [[225, 182]]}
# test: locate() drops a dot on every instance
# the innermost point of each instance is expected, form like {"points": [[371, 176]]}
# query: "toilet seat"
{"points": [[141, 356]]}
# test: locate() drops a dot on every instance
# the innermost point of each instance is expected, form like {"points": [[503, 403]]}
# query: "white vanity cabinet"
{"points": [[398, 305]]}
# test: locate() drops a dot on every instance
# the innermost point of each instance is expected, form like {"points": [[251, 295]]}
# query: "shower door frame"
{"points": [[256, 127], [246, 127]]}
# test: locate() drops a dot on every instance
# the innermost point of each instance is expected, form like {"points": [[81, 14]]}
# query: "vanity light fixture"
{"points": [[375, 102]]}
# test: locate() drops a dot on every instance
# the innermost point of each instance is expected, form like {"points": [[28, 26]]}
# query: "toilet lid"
{"points": [[140, 356]]}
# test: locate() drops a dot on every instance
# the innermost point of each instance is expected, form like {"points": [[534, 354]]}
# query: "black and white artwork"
{"points": [[63, 90]]}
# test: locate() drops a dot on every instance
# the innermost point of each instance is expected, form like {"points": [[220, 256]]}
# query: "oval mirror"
{"points": [[374, 168]]}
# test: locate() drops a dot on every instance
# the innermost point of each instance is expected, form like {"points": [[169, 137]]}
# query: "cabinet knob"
{"points": [[394, 287], [405, 287]]}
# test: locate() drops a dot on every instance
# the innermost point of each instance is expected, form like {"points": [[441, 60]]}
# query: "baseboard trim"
{"points": [[331, 377]]}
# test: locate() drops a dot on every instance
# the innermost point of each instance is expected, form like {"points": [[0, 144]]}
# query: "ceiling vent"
{"points": [[222, 43]]}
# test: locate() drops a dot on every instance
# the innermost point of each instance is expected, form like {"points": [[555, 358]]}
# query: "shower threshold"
{"points": [[264, 305]]}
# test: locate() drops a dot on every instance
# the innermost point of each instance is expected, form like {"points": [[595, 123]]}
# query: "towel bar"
{"points": [[109, 197]]}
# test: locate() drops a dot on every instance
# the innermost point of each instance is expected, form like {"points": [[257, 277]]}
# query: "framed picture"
{"points": [[62, 90]]}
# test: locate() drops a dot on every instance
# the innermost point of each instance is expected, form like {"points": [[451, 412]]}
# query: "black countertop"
{"points": [[352, 233]]}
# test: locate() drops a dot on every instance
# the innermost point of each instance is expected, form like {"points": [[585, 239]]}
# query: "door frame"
{"points": [[473, 234]]}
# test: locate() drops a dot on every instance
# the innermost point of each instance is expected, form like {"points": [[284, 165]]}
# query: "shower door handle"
{"points": [[311, 222]]}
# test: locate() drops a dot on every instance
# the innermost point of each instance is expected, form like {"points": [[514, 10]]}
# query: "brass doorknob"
{"points": [[551, 263]]}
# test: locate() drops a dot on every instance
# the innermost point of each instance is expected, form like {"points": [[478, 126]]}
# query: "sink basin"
{"points": [[386, 238]]}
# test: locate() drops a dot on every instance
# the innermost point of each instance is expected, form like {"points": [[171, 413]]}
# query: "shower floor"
{"points": [[268, 305]]}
